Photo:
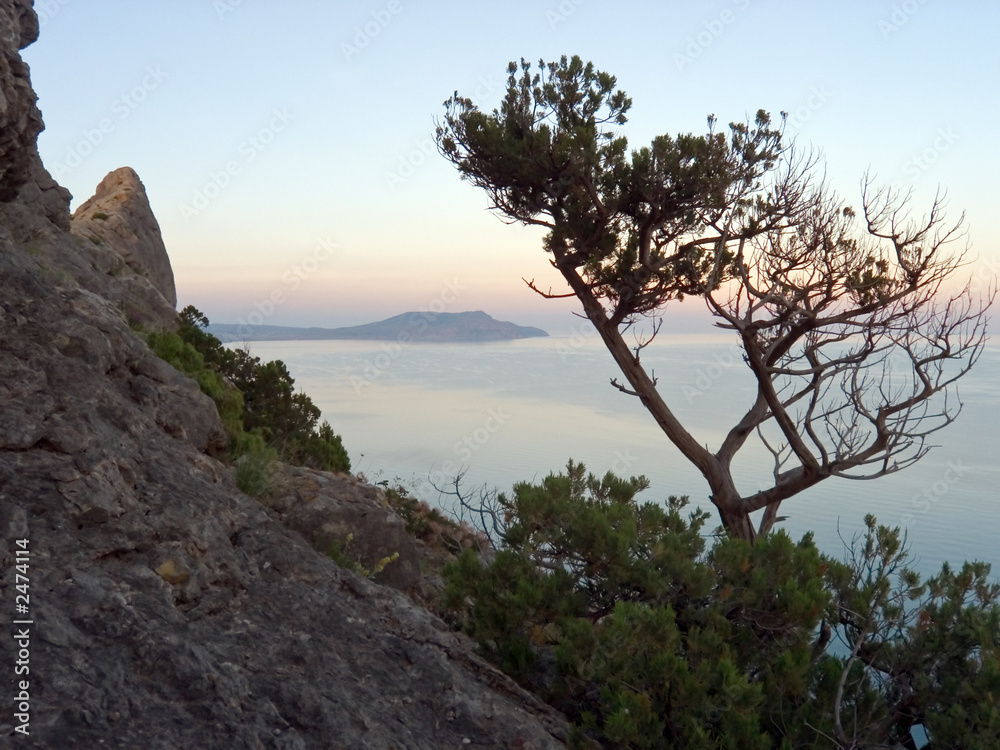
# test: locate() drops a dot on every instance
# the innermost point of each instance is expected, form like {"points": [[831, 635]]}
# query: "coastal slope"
{"points": [[161, 607]]}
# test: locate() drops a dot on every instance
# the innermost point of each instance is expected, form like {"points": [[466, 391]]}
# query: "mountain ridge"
{"points": [[420, 326]]}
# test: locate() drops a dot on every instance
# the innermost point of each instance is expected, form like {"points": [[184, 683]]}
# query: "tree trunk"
{"points": [[724, 495], [737, 522]]}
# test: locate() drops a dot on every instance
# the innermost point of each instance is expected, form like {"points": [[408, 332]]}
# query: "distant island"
{"points": [[411, 326]]}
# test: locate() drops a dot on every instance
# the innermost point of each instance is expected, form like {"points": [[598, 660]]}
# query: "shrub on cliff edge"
{"points": [[619, 614], [253, 398]]}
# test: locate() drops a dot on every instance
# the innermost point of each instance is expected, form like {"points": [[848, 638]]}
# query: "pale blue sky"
{"points": [[323, 114]]}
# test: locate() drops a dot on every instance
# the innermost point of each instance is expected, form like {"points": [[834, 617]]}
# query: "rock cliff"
{"points": [[20, 120], [162, 608], [119, 216]]}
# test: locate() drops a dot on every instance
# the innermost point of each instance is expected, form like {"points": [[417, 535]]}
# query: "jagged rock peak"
{"points": [[119, 215], [20, 120]]}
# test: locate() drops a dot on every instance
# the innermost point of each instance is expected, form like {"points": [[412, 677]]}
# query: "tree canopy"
{"points": [[851, 322]]}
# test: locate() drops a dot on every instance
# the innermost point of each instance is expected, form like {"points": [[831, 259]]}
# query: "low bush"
{"points": [[257, 401], [254, 465], [647, 632]]}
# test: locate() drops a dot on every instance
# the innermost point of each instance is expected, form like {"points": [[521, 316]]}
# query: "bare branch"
{"points": [[548, 294], [623, 389]]}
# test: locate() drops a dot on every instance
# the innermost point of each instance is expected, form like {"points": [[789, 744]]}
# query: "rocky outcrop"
{"points": [[122, 260], [329, 509], [166, 609], [119, 215], [169, 610], [20, 120], [38, 221]]}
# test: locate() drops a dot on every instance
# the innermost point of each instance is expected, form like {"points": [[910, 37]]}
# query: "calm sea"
{"points": [[511, 411]]}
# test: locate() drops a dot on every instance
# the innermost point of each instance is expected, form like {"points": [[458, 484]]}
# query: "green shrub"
{"points": [[287, 420], [616, 613], [169, 346], [256, 401], [320, 449], [254, 465]]}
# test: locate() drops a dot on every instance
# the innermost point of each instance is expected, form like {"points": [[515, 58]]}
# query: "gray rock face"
{"points": [[328, 509], [120, 216], [38, 221], [122, 258], [20, 120], [169, 610]]}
